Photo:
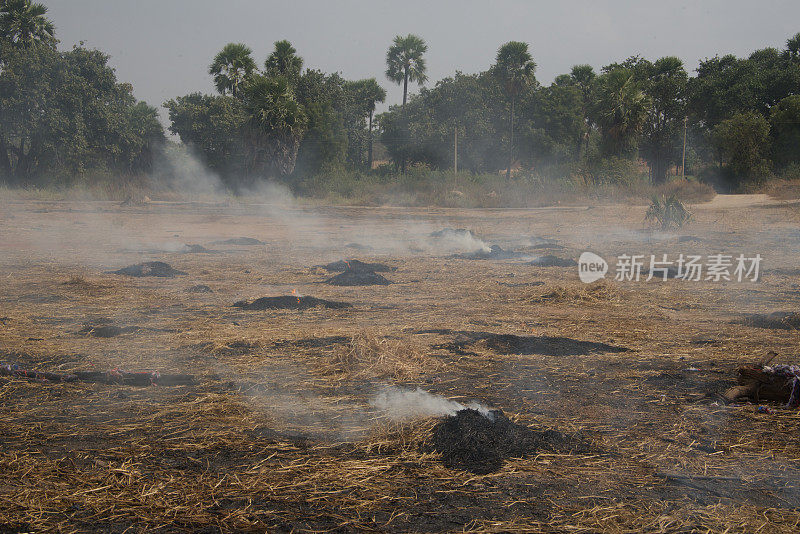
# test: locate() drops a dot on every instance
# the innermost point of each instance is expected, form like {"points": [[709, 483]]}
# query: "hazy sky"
{"points": [[164, 47]]}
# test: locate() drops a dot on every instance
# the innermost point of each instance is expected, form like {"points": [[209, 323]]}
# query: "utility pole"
{"points": [[455, 151], [683, 162]]}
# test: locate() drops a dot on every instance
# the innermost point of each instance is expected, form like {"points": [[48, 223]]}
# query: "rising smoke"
{"points": [[401, 404]]}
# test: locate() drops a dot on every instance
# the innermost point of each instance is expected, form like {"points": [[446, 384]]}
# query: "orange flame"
{"points": [[348, 264], [294, 292]]}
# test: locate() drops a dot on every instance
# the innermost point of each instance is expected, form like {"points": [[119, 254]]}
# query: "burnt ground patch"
{"points": [[149, 268], [107, 330], [524, 345], [357, 266], [357, 278], [553, 261], [289, 302], [779, 320], [240, 241], [313, 342], [670, 272], [200, 288], [481, 443]]}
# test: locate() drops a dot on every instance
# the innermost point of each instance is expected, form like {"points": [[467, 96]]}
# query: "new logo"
{"points": [[591, 267]]}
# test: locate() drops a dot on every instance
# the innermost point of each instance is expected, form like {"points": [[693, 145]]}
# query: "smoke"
{"points": [[401, 404], [179, 169], [449, 240]]}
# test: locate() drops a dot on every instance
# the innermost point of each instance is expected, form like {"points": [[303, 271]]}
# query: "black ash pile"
{"points": [[289, 302], [106, 330], [357, 273], [356, 278], [149, 268], [357, 266], [481, 443]]}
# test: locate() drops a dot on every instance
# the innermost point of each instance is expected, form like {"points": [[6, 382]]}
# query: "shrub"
{"points": [[668, 212]]}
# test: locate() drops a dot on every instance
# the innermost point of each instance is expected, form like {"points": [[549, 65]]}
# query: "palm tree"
{"points": [[24, 24], [276, 124], [515, 69], [620, 109], [582, 77], [404, 63], [284, 61], [231, 67], [367, 93]]}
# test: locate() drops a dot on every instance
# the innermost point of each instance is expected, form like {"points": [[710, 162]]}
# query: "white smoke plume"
{"points": [[401, 404]]}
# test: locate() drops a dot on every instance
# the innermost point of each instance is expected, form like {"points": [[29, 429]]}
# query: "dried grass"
{"points": [[277, 434], [589, 293], [371, 356]]}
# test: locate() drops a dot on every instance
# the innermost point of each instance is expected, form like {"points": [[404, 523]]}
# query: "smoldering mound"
{"points": [[481, 444], [495, 252], [357, 278], [289, 302], [149, 268]]}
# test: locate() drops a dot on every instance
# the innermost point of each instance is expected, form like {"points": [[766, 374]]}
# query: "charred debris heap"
{"points": [[357, 273], [481, 443]]}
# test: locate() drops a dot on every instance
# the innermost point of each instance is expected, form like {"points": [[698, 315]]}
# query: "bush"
{"points": [[617, 171], [668, 212]]}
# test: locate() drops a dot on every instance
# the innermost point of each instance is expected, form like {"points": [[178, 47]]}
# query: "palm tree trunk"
{"points": [[369, 148], [511, 142], [403, 151]]}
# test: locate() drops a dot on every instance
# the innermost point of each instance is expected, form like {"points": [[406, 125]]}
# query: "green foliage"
{"points": [[275, 124], [283, 61], [362, 97], [614, 170], [785, 129], [665, 85], [667, 212], [23, 24], [471, 103], [743, 142], [213, 127], [64, 114], [620, 110], [324, 145], [232, 67], [514, 67], [405, 62]]}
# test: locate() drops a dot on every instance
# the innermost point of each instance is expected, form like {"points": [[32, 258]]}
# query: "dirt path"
{"points": [[742, 201]]}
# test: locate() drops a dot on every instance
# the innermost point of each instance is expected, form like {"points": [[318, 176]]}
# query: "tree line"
{"points": [[66, 117]]}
